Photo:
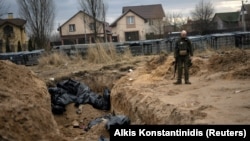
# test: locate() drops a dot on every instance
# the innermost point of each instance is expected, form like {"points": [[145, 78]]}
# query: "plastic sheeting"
{"points": [[71, 91], [111, 120], [102, 138]]}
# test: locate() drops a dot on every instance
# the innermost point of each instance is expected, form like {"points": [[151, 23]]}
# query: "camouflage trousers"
{"points": [[183, 65]]}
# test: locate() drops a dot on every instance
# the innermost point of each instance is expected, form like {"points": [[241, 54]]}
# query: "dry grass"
{"points": [[207, 52], [97, 54], [77, 59], [100, 54], [53, 59], [57, 59], [127, 55]]}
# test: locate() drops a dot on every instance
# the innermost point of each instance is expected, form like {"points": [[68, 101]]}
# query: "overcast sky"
{"points": [[65, 9]]}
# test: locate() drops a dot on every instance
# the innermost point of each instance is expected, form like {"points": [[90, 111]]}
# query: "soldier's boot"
{"points": [[187, 79], [177, 82], [179, 77]]}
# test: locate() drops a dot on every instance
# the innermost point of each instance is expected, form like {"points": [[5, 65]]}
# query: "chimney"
{"points": [[10, 15]]}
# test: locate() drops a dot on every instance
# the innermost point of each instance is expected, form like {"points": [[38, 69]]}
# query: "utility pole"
{"points": [[243, 10], [104, 24], [84, 20]]}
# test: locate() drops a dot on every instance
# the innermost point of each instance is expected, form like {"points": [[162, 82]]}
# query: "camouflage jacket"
{"points": [[183, 43]]}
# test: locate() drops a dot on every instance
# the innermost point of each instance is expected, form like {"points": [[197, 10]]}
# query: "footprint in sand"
{"points": [[173, 92]]}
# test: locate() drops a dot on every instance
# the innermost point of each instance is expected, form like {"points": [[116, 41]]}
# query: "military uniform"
{"points": [[182, 52]]}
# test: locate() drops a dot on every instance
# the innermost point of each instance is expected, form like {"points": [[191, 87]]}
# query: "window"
{"points": [[8, 31], [132, 36], [72, 28], [151, 22], [91, 26], [130, 20]]}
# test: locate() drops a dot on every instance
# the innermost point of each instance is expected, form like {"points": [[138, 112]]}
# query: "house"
{"points": [[226, 21], [12, 35], [232, 21], [246, 9], [79, 29], [191, 26], [138, 22]]}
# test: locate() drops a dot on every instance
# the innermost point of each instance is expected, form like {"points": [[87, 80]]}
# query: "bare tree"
{"points": [[96, 9], [202, 15], [3, 8], [157, 26], [105, 9], [175, 19], [55, 37], [40, 16]]}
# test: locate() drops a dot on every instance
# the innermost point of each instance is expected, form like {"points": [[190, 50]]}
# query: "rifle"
{"points": [[190, 63], [175, 67]]}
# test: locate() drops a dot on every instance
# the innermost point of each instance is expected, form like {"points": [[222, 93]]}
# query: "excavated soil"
{"points": [[25, 113], [141, 88]]}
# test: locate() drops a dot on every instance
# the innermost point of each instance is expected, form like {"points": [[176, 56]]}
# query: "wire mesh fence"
{"points": [[151, 47], [146, 47]]}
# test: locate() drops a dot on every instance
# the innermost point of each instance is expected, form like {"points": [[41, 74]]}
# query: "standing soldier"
{"points": [[183, 52]]}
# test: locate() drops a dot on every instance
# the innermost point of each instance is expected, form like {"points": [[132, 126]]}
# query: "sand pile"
{"points": [[234, 63], [198, 64], [25, 113], [162, 66]]}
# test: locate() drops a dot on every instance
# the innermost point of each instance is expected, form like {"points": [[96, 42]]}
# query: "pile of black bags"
{"points": [[70, 91]]}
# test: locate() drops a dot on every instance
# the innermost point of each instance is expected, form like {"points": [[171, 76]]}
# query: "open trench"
{"points": [[137, 102], [143, 91], [97, 81]]}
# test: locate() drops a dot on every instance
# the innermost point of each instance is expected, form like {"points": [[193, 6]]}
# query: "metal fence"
{"points": [[22, 58], [146, 47], [151, 47]]}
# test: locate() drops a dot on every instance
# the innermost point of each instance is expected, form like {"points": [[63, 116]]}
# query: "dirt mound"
{"points": [[25, 106], [156, 61], [242, 73], [227, 61], [234, 64], [159, 67], [198, 64], [143, 108], [162, 66]]}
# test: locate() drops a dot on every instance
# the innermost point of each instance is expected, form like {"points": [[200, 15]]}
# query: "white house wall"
{"points": [[219, 23], [79, 25], [157, 27], [121, 27]]}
